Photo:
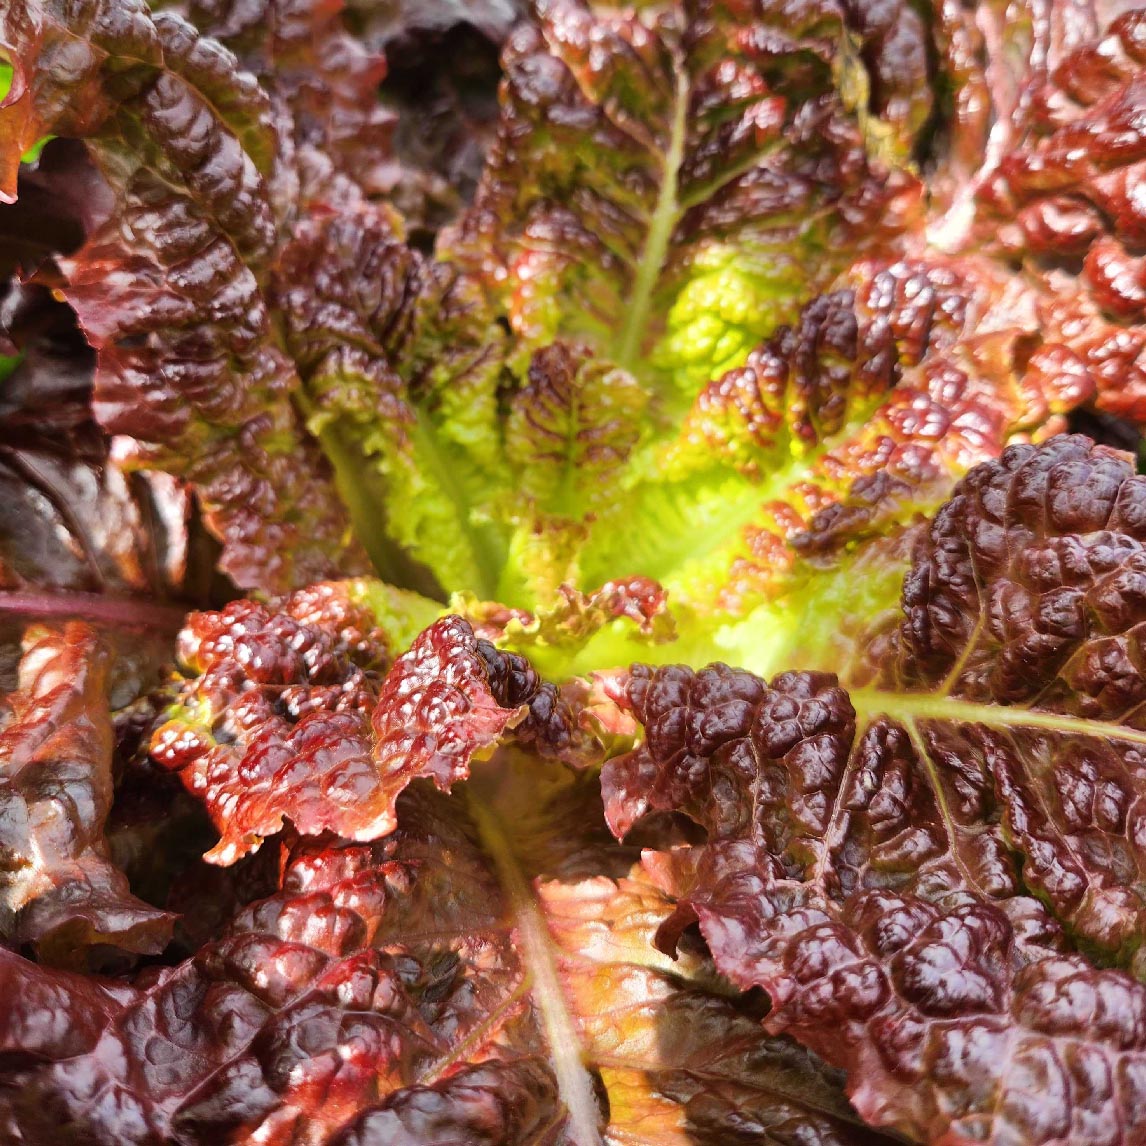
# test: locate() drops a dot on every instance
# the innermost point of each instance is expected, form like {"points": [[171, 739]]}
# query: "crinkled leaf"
{"points": [[777, 511], [910, 870], [667, 183], [1056, 188], [309, 63], [483, 975], [170, 290], [287, 715], [400, 364], [59, 889], [273, 720]]}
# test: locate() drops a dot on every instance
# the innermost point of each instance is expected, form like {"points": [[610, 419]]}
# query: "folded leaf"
{"points": [[484, 975], [59, 890], [71, 520], [323, 82], [1057, 192], [779, 505], [907, 870], [274, 720], [400, 364], [286, 715]]}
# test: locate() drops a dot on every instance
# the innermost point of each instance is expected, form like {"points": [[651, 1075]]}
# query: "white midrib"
{"points": [[561, 1034], [664, 219]]}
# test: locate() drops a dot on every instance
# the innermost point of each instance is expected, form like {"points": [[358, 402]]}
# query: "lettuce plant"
{"points": [[569, 613]]}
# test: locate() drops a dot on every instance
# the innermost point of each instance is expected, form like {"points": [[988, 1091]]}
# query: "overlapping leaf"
{"points": [[745, 290], [485, 974], [287, 715], [698, 174], [668, 183], [1056, 187], [401, 368], [70, 518], [836, 434], [170, 290], [779, 507], [910, 871]]}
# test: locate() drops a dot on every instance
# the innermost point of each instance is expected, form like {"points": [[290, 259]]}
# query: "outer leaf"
{"points": [[70, 518], [484, 975], [664, 180], [60, 891], [1057, 190], [304, 57], [274, 721], [170, 291], [286, 716], [908, 887]]}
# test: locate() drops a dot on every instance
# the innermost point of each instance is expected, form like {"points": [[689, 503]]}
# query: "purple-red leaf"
{"points": [[916, 873], [484, 975], [59, 890], [287, 717], [169, 290]]}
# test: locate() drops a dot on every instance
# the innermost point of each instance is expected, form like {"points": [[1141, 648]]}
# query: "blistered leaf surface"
{"points": [[911, 871], [485, 974], [170, 290], [289, 713]]}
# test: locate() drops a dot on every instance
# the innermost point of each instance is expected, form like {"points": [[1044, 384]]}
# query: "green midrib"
{"points": [[336, 440], [660, 552], [628, 345], [482, 545], [566, 1053], [909, 707]]}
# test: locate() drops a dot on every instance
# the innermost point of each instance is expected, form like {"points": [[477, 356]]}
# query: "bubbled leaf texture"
{"points": [[734, 272], [745, 290], [171, 289], [1061, 195], [287, 715], [411, 990], [728, 176], [837, 430], [912, 871]]}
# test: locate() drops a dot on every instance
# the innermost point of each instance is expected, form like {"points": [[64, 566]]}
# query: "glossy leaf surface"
{"points": [[926, 876], [485, 974]]}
